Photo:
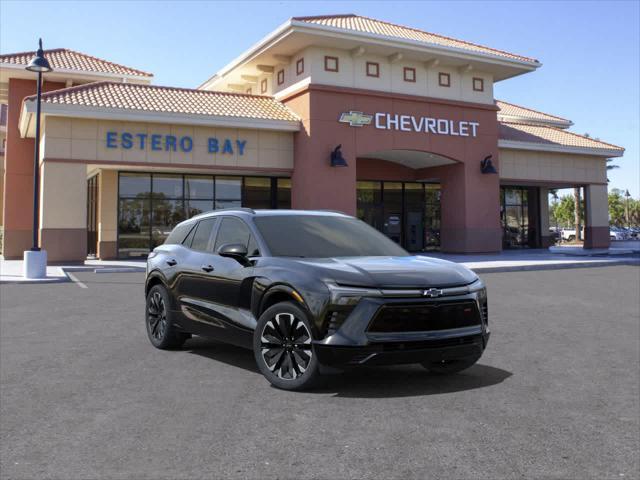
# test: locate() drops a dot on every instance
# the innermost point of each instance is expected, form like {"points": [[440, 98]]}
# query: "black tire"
{"points": [[449, 367], [282, 347], [571, 238], [161, 330]]}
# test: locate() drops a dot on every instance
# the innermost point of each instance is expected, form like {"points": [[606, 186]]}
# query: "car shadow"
{"points": [[366, 382]]}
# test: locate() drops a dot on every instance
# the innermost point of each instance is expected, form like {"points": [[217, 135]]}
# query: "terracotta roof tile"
{"points": [[517, 132], [379, 27], [513, 110], [152, 98], [65, 59]]}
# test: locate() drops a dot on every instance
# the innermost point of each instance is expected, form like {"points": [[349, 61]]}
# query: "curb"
{"points": [[563, 266]]}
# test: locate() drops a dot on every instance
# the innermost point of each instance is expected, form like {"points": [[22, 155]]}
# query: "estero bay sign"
{"points": [[411, 123], [171, 143]]}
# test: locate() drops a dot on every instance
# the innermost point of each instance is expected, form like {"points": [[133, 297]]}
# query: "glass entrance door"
{"points": [[407, 212], [92, 216], [519, 217]]}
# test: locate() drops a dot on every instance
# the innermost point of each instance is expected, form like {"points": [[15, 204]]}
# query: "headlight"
{"points": [[349, 296], [476, 286]]}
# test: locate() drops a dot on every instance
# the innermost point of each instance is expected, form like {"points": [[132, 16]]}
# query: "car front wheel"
{"points": [[282, 347]]}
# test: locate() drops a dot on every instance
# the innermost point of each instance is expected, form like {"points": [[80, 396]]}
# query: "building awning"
{"points": [[66, 60], [545, 138], [512, 113], [149, 103]]}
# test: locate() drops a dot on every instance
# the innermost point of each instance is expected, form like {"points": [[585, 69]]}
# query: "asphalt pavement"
{"points": [[84, 395]]}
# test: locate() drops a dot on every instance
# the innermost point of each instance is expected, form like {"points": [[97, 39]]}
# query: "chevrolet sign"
{"points": [[410, 123]]}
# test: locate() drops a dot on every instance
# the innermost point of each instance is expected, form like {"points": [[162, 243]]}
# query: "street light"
{"points": [[35, 260], [626, 208]]}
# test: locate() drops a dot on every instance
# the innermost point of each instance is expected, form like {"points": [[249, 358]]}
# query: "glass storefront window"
{"points": [[134, 227], [228, 192], [283, 194], [165, 215], [150, 205], [257, 192], [167, 186], [135, 184], [198, 187]]}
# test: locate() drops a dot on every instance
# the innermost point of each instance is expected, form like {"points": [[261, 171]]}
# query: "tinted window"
{"points": [[232, 230], [203, 233], [178, 234], [320, 236]]}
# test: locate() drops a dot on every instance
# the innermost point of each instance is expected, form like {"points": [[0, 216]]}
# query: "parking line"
{"points": [[75, 280]]}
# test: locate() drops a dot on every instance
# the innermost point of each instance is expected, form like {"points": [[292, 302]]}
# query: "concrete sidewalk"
{"points": [[11, 270], [506, 261]]}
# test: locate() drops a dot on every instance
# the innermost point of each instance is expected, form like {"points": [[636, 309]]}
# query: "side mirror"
{"points": [[237, 251]]}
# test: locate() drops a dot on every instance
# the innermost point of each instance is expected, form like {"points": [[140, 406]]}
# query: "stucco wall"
{"points": [[551, 167], [352, 73], [85, 140]]}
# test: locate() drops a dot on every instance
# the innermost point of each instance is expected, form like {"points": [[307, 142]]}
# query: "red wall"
{"points": [[18, 177], [470, 200]]}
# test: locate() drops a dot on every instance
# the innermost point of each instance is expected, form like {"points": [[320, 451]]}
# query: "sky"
{"points": [[590, 51]]}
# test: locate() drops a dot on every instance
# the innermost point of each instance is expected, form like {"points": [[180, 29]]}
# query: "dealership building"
{"points": [[395, 125]]}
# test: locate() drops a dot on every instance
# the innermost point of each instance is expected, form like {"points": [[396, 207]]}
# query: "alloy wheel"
{"points": [[157, 316], [285, 344]]}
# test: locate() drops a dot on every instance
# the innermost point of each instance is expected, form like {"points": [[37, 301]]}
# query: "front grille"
{"points": [[425, 317]]}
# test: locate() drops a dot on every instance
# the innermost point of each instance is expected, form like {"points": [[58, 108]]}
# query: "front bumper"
{"points": [[354, 344]]}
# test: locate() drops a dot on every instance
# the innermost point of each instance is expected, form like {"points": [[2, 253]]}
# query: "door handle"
{"points": [[208, 268], [171, 262]]}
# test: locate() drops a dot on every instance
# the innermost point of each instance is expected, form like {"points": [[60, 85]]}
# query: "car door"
{"points": [[192, 284], [213, 293]]}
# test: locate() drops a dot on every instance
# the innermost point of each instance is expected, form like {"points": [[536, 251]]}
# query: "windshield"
{"points": [[323, 236]]}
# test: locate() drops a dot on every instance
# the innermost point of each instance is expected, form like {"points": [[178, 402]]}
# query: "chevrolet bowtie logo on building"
{"points": [[356, 119]]}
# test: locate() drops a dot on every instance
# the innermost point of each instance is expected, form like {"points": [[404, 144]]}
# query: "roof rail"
{"points": [[230, 209]]}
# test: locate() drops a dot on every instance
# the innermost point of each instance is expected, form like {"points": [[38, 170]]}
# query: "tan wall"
{"points": [[63, 195], [63, 211], [108, 206], [80, 139], [552, 167], [352, 74]]}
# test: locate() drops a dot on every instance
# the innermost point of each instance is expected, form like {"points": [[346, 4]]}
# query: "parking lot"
{"points": [[84, 394]]}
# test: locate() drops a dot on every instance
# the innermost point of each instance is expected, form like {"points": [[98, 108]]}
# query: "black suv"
{"points": [[309, 292]]}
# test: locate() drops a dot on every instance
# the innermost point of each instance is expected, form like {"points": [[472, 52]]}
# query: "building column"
{"points": [[546, 240], [315, 184], [63, 211], [107, 214], [596, 216], [470, 209]]}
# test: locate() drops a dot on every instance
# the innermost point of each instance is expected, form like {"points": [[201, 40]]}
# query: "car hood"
{"points": [[391, 272]]}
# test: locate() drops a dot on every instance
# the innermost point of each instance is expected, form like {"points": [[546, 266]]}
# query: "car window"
{"points": [[203, 233], [178, 234], [323, 236], [234, 230]]}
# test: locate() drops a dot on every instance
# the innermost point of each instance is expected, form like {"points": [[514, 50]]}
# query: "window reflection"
{"points": [[150, 205]]}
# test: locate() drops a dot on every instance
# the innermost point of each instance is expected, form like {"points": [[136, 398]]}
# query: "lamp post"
{"points": [[626, 208], [35, 260]]}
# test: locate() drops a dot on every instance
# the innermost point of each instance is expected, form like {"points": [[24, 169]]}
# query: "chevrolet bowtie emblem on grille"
{"points": [[356, 119], [432, 293]]}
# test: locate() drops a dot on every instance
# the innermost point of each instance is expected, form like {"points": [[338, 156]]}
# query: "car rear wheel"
{"points": [[449, 367], [161, 330], [282, 347]]}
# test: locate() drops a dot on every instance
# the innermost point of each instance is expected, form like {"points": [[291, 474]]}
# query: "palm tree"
{"points": [[576, 210]]}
